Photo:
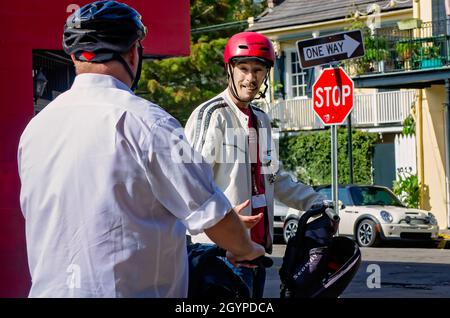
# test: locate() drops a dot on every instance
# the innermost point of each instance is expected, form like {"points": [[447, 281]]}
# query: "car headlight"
{"points": [[386, 216], [432, 218]]}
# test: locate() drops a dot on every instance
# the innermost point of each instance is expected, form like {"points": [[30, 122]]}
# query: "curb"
{"points": [[444, 241]]}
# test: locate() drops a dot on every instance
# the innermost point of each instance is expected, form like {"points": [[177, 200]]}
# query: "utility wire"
{"points": [[221, 26]]}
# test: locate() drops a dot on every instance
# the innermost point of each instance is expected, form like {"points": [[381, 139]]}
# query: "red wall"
{"points": [[38, 24]]}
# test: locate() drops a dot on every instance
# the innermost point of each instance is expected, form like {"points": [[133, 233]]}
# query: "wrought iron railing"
{"points": [[391, 49]]}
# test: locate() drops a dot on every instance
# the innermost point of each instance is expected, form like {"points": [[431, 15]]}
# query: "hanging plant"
{"points": [[409, 126]]}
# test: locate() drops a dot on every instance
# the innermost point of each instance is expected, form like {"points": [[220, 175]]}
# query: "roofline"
{"points": [[297, 27]]}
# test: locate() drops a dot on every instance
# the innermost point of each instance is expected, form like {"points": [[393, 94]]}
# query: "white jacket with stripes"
{"points": [[219, 131]]}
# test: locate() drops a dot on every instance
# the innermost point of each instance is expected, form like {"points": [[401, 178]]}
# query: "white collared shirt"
{"points": [[105, 204]]}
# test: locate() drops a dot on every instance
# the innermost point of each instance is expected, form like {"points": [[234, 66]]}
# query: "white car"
{"points": [[280, 210], [371, 214]]}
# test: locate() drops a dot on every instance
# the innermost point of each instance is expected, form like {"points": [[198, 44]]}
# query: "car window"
{"points": [[373, 196], [326, 192], [342, 195]]}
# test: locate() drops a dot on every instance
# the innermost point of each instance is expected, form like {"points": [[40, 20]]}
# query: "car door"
{"points": [[348, 213]]}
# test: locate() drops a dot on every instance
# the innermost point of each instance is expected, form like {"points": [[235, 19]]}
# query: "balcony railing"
{"points": [[391, 49], [370, 110]]}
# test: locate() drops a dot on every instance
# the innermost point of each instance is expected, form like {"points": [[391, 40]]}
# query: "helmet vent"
{"points": [[243, 47], [264, 49]]}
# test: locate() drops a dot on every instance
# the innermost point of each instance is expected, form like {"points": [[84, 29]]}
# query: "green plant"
{"points": [[308, 155], [430, 52], [275, 123], [376, 49], [406, 50], [407, 189], [409, 126], [277, 88]]}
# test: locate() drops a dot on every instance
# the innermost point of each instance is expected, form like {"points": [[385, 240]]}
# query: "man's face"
{"points": [[248, 77]]}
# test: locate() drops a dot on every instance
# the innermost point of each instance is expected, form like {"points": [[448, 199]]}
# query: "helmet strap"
{"points": [[139, 68], [263, 94], [122, 61], [134, 77]]}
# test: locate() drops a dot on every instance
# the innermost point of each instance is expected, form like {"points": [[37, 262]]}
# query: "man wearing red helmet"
{"points": [[235, 138]]}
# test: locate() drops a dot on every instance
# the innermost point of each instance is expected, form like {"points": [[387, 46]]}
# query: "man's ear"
{"points": [[131, 55], [227, 69], [72, 56]]}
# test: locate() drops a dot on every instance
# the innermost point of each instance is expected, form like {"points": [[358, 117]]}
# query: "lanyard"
{"points": [[254, 162]]}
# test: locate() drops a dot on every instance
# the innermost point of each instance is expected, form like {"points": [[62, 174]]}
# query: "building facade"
{"points": [[404, 73], [31, 55]]}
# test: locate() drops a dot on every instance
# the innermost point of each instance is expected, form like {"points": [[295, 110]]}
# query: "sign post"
{"points": [[333, 90], [334, 169], [332, 102]]}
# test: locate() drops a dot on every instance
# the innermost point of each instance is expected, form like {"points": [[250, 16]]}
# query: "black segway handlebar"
{"points": [[262, 261], [327, 208]]}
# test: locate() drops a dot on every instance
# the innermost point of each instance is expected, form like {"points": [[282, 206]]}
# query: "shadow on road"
{"points": [[278, 239], [384, 280], [400, 280]]}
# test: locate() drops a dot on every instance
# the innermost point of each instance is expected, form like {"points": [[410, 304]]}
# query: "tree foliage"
{"points": [[182, 83], [206, 13], [309, 156]]}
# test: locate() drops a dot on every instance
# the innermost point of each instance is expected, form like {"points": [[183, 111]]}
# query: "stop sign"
{"points": [[333, 96]]}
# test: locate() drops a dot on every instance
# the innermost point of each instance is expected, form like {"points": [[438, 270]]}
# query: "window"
{"points": [[299, 81], [342, 195], [373, 196]]}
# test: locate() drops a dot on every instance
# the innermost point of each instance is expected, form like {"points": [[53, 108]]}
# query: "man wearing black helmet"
{"points": [[105, 199], [235, 137]]}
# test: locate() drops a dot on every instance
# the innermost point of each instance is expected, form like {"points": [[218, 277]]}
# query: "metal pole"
{"points": [[350, 147], [420, 154], [334, 158], [334, 168], [447, 136]]}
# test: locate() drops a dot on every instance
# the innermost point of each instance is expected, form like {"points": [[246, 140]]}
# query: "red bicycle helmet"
{"points": [[249, 44]]}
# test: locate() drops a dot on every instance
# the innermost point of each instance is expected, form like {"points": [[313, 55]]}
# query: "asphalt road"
{"points": [[395, 271]]}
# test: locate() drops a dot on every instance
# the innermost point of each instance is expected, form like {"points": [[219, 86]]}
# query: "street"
{"points": [[410, 271]]}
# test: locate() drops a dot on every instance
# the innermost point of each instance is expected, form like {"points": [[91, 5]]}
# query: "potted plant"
{"points": [[376, 52], [405, 50], [430, 56]]}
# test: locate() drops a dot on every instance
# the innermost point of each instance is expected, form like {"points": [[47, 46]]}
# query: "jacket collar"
{"points": [[243, 118], [93, 80]]}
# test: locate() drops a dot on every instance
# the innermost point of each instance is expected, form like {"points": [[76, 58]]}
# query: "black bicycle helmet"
{"points": [[102, 27], [101, 31]]}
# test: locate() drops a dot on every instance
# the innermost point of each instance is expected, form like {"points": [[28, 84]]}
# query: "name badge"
{"points": [[258, 201]]}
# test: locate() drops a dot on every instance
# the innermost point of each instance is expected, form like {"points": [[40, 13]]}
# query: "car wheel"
{"points": [[289, 229], [366, 234]]}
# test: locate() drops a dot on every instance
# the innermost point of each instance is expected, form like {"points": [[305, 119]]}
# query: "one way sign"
{"points": [[330, 48]]}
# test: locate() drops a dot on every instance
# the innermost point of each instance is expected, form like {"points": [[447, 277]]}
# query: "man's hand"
{"points": [[258, 250], [249, 221]]}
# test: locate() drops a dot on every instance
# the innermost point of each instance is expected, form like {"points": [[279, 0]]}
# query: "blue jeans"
{"points": [[254, 278]]}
